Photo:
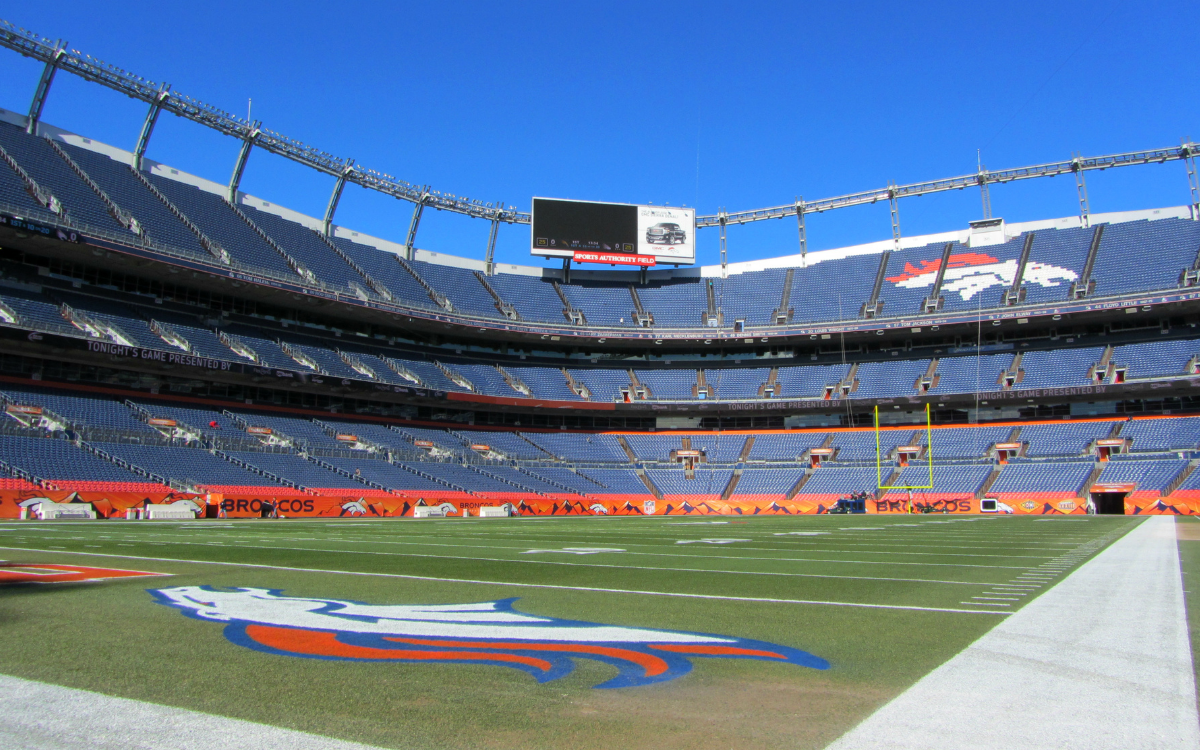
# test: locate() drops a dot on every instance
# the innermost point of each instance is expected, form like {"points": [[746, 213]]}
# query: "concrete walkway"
{"points": [[1102, 660], [38, 716]]}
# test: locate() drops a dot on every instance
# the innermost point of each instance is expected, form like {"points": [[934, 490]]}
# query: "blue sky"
{"points": [[739, 105]]}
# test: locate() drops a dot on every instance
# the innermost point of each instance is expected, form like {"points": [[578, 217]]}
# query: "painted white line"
{"points": [[38, 716], [1113, 633], [526, 585]]}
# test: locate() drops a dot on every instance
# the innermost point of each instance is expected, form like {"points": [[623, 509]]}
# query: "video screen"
{"points": [[562, 227]]}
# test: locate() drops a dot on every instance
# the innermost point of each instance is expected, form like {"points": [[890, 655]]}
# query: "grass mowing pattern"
{"points": [[112, 638]]}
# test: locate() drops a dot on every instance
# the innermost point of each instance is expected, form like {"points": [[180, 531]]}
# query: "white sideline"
{"points": [[1102, 660], [39, 716]]}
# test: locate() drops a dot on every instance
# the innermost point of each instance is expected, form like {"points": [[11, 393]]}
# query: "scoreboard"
{"points": [[614, 233]]}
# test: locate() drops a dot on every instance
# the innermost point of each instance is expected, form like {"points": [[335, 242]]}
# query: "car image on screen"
{"points": [[665, 234]]}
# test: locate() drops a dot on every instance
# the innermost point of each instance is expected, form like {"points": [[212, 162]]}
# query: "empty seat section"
{"points": [[604, 304], [889, 379], [809, 381], [668, 385], [970, 374], [1058, 368], [1143, 255], [532, 296], [429, 374], [86, 411], [1147, 475], [965, 442], [386, 269], [679, 304], [948, 478], [545, 382], [707, 481], [1163, 434], [1056, 259], [509, 444], [304, 430], [840, 481], [605, 385], [654, 447], [51, 171], [731, 383], [36, 311], [774, 446], [578, 482], [460, 286], [191, 465], [1056, 477], [977, 278], [122, 318], [296, 469], [487, 380], [267, 350], [1067, 439], [191, 416], [860, 446], [776, 481], [833, 289], [909, 278], [304, 245], [326, 359], [616, 481], [16, 197], [59, 459], [578, 447], [203, 341], [1156, 359], [218, 221], [128, 192], [753, 296]]}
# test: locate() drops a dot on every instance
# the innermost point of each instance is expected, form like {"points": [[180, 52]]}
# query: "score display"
{"points": [[616, 233]]}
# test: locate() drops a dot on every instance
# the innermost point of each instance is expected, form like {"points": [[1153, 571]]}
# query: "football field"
{"points": [[636, 632]]}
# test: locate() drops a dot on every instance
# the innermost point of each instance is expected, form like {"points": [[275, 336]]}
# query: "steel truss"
{"points": [[161, 97]]}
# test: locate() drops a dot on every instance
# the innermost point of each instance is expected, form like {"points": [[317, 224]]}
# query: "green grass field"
{"points": [[883, 599]]}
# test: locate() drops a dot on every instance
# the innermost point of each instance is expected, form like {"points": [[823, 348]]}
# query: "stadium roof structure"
{"points": [[55, 55]]}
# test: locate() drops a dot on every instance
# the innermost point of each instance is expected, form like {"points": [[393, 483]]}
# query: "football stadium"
{"points": [[270, 481]]}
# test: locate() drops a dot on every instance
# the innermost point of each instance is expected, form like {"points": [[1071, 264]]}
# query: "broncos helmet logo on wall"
{"points": [[480, 633]]}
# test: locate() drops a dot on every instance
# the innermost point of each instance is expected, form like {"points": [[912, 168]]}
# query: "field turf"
{"points": [[883, 599]]}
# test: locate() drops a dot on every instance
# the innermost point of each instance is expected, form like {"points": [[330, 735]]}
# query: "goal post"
{"points": [[928, 450]]}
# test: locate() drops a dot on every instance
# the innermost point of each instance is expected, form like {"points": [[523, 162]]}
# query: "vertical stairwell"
{"points": [[873, 306], [783, 313], [640, 315], [1015, 294], [935, 300], [1085, 286], [506, 309]]}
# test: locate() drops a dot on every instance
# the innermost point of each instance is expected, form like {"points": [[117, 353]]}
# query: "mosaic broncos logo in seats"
{"points": [[493, 633], [968, 274]]}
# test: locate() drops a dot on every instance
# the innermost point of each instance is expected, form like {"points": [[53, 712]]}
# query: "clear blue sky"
{"points": [[740, 105]]}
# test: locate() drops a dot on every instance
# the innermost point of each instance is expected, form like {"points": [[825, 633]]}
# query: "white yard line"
{"points": [[38, 716], [1101, 660], [717, 597]]}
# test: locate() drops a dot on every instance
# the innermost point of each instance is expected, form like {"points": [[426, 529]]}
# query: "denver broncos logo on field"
{"points": [[971, 273], [482, 633]]}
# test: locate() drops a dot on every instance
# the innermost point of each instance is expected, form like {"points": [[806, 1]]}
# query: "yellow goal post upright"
{"points": [[879, 456]]}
